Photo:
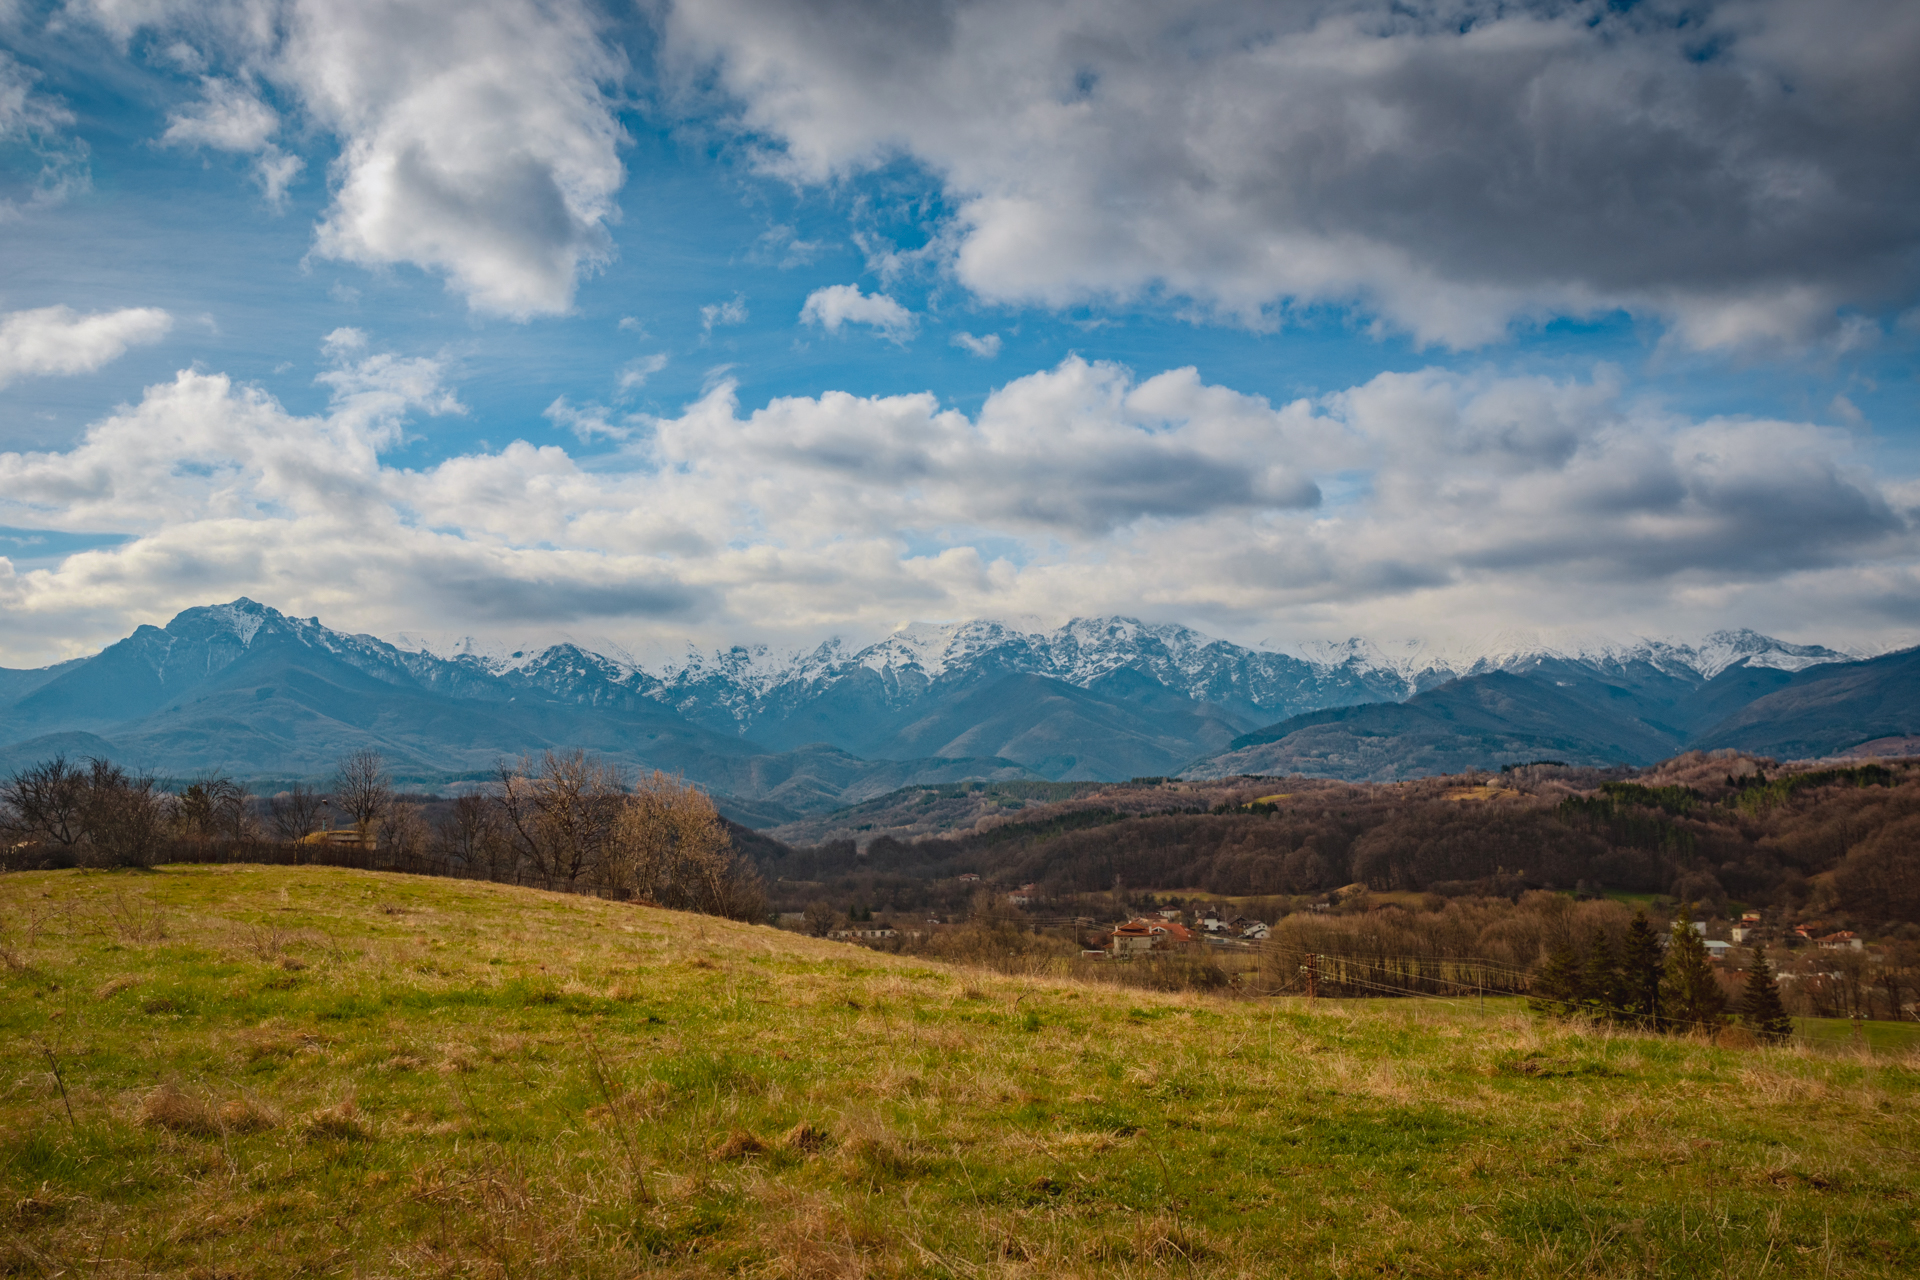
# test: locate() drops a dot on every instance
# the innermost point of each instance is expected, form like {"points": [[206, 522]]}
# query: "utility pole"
{"points": [[1313, 975]]}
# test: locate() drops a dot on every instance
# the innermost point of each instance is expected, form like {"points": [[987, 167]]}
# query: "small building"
{"points": [[969, 877], [1717, 950], [1170, 913], [865, 933], [346, 837], [1255, 931], [1136, 936], [1845, 940]]}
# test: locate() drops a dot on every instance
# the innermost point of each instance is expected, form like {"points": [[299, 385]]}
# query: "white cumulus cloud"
{"points": [[1429, 501], [843, 304], [634, 373], [986, 348], [477, 140], [715, 314], [59, 340], [227, 117]]}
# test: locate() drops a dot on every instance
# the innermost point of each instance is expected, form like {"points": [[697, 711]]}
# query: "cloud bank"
{"points": [[1427, 501], [1747, 171]]}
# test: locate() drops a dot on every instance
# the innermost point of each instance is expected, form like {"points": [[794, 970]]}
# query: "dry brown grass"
{"points": [[340, 1122], [247, 1115], [739, 1145], [806, 1138], [168, 1107], [178, 1111]]}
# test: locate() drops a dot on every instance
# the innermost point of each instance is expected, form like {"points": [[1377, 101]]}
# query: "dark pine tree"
{"points": [[1558, 987], [1601, 980], [1691, 995], [1760, 1006], [1641, 962]]}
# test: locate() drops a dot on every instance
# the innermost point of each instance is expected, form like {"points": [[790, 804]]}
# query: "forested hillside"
{"points": [[1843, 843]]}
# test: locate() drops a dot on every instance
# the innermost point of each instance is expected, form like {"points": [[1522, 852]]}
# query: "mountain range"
{"points": [[244, 688]]}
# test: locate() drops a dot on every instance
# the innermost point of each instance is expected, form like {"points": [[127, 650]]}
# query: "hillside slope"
{"points": [[265, 1072], [1828, 710], [1548, 708], [1480, 722]]}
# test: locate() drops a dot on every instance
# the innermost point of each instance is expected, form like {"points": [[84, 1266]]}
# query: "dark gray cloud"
{"points": [[1746, 169], [468, 592]]}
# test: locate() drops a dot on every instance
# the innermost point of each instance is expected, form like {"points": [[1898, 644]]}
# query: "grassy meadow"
{"points": [[235, 1071]]}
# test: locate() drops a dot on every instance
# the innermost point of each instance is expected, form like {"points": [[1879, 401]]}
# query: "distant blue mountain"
{"points": [[1630, 716], [244, 688]]}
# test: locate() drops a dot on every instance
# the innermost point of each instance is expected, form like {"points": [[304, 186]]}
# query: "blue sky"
{"points": [[695, 323]]}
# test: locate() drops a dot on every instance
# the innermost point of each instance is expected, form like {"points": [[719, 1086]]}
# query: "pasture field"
{"points": [[239, 1072]]}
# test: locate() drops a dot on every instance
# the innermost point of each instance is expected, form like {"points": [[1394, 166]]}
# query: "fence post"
{"points": [[1313, 975]]}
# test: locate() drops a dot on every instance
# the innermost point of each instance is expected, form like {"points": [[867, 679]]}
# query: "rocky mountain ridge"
{"points": [[242, 687], [748, 684]]}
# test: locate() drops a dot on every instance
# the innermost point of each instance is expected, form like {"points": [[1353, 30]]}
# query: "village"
{"points": [[1822, 971]]}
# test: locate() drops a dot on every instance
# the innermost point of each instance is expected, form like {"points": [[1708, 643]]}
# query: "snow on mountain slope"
{"points": [[742, 684], [1508, 650], [1142, 697], [742, 687]]}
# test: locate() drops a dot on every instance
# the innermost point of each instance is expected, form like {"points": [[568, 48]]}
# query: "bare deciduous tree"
{"points": [[559, 814], [45, 801], [213, 808], [295, 812], [405, 837], [470, 838], [125, 817], [362, 789], [674, 850]]}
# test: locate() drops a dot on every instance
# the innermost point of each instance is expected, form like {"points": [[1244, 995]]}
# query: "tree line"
{"points": [[1844, 842], [1635, 981], [563, 820]]}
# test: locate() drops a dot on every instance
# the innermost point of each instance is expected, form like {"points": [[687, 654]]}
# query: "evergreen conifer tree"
{"points": [[1558, 987], [1601, 978], [1640, 966], [1760, 1006], [1691, 994]]}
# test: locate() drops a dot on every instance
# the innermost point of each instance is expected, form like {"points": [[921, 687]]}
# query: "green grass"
{"points": [[1880, 1037], [313, 1071]]}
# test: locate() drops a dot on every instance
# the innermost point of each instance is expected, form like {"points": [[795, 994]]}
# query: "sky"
{"points": [[761, 321]]}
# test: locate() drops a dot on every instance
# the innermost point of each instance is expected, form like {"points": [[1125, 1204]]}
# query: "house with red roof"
{"points": [[1136, 936]]}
